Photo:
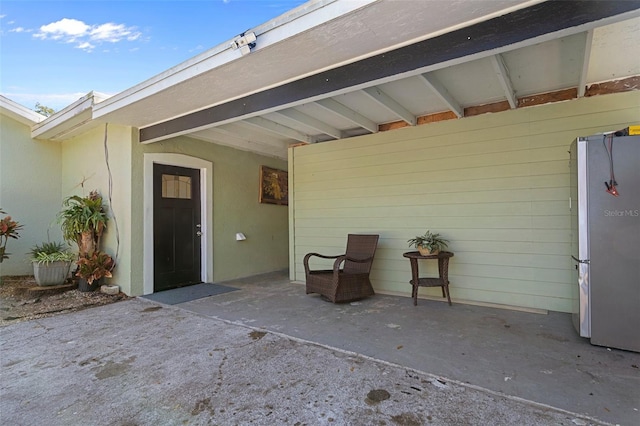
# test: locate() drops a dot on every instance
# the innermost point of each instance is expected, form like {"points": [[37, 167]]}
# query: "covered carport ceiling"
{"points": [[385, 64]]}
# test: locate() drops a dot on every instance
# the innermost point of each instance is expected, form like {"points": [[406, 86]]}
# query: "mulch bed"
{"points": [[21, 299]]}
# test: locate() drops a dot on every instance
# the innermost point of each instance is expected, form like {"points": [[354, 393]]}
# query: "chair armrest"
{"points": [[351, 259], [336, 264], [341, 259], [309, 255]]}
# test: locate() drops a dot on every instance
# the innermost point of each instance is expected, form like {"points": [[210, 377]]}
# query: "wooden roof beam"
{"points": [[505, 81], [355, 117], [312, 122], [217, 137], [279, 129], [391, 104], [442, 92], [582, 86], [240, 133]]}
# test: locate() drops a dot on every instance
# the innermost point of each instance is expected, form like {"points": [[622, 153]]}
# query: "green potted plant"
{"points": [[92, 269], [83, 221], [8, 229], [429, 243], [51, 263]]}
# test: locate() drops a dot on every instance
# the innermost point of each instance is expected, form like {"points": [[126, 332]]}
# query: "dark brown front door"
{"points": [[176, 226]]}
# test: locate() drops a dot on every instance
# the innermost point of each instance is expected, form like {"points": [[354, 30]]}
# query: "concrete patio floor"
{"points": [[268, 354], [537, 357]]}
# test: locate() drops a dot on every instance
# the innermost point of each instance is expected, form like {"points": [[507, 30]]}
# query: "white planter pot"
{"points": [[54, 273]]}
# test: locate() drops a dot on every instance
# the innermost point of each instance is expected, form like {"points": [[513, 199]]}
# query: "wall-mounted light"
{"points": [[240, 236]]}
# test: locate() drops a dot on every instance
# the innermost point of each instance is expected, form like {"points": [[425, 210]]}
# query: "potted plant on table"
{"points": [[429, 243], [51, 263], [92, 269]]}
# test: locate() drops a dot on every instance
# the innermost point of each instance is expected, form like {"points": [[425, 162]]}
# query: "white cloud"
{"points": [[86, 37], [67, 29], [85, 46], [113, 33]]}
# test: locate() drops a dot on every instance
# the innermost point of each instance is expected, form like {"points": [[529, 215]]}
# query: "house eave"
{"points": [[73, 120], [333, 30], [19, 112], [310, 14]]}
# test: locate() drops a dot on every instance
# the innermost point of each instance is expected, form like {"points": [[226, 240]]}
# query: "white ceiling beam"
{"points": [[392, 105], [312, 122], [505, 81], [237, 133], [279, 129], [442, 92], [355, 117], [214, 136], [252, 133], [582, 85]]}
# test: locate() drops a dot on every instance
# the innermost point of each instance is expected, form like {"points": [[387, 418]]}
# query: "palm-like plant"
{"points": [[83, 221]]}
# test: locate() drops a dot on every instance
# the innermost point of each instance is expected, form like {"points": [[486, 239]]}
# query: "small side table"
{"points": [[443, 272]]}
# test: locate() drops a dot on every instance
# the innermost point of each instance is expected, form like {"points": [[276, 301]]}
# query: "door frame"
{"points": [[206, 212]]}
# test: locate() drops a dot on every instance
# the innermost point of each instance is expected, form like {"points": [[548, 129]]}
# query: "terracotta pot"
{"points": [[425, 251]]}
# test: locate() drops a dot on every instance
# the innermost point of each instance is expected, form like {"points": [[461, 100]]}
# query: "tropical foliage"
{"points": [[83, 221], [9, 228], [431, 241], [51, 252], [96, 266]]}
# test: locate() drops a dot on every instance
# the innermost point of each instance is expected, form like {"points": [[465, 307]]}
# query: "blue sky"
{"points": [[54, 52]]}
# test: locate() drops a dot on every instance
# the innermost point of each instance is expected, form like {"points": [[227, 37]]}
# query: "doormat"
{"points": [[188, 293]]}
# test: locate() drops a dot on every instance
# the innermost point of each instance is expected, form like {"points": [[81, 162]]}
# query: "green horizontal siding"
{"points": [[495, 185]]}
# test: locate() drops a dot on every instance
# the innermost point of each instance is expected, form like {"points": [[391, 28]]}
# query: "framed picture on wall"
{"points": [[274, 186]]}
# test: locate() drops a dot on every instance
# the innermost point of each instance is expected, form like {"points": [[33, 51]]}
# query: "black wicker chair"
{"points": [[351, 282]]}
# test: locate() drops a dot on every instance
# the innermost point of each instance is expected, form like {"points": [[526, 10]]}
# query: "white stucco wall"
{"points": [[86, 166], [29, 190], [235, 207]]}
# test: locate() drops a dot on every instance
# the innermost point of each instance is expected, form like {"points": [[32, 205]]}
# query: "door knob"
{"points": [[199, 233]]}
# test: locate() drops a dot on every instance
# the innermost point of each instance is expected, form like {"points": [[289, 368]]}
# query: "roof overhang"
{"points": [[73, 120], [318, 36], [19, 113], [332, 69], [445, 42]]}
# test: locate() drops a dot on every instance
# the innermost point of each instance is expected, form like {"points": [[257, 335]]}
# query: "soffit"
{"points": [[277, 95], [282, 54]]}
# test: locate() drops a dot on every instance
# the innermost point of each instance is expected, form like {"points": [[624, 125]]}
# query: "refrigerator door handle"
{"points": [[586, 261]]}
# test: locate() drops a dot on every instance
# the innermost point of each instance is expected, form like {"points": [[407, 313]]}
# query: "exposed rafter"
{"points": [[538, 23], [505, 81], [442, 92], [279, 129], [254, 133], [349, 114], [582, 86], [312, 122], [217, 137], [237, 132], [391, 104]]}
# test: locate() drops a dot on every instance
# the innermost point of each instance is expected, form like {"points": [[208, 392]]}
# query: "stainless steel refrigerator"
{"points": [[605, 214]]}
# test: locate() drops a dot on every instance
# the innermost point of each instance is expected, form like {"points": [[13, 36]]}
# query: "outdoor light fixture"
{"points": [[240, 236], [244, 43]]}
